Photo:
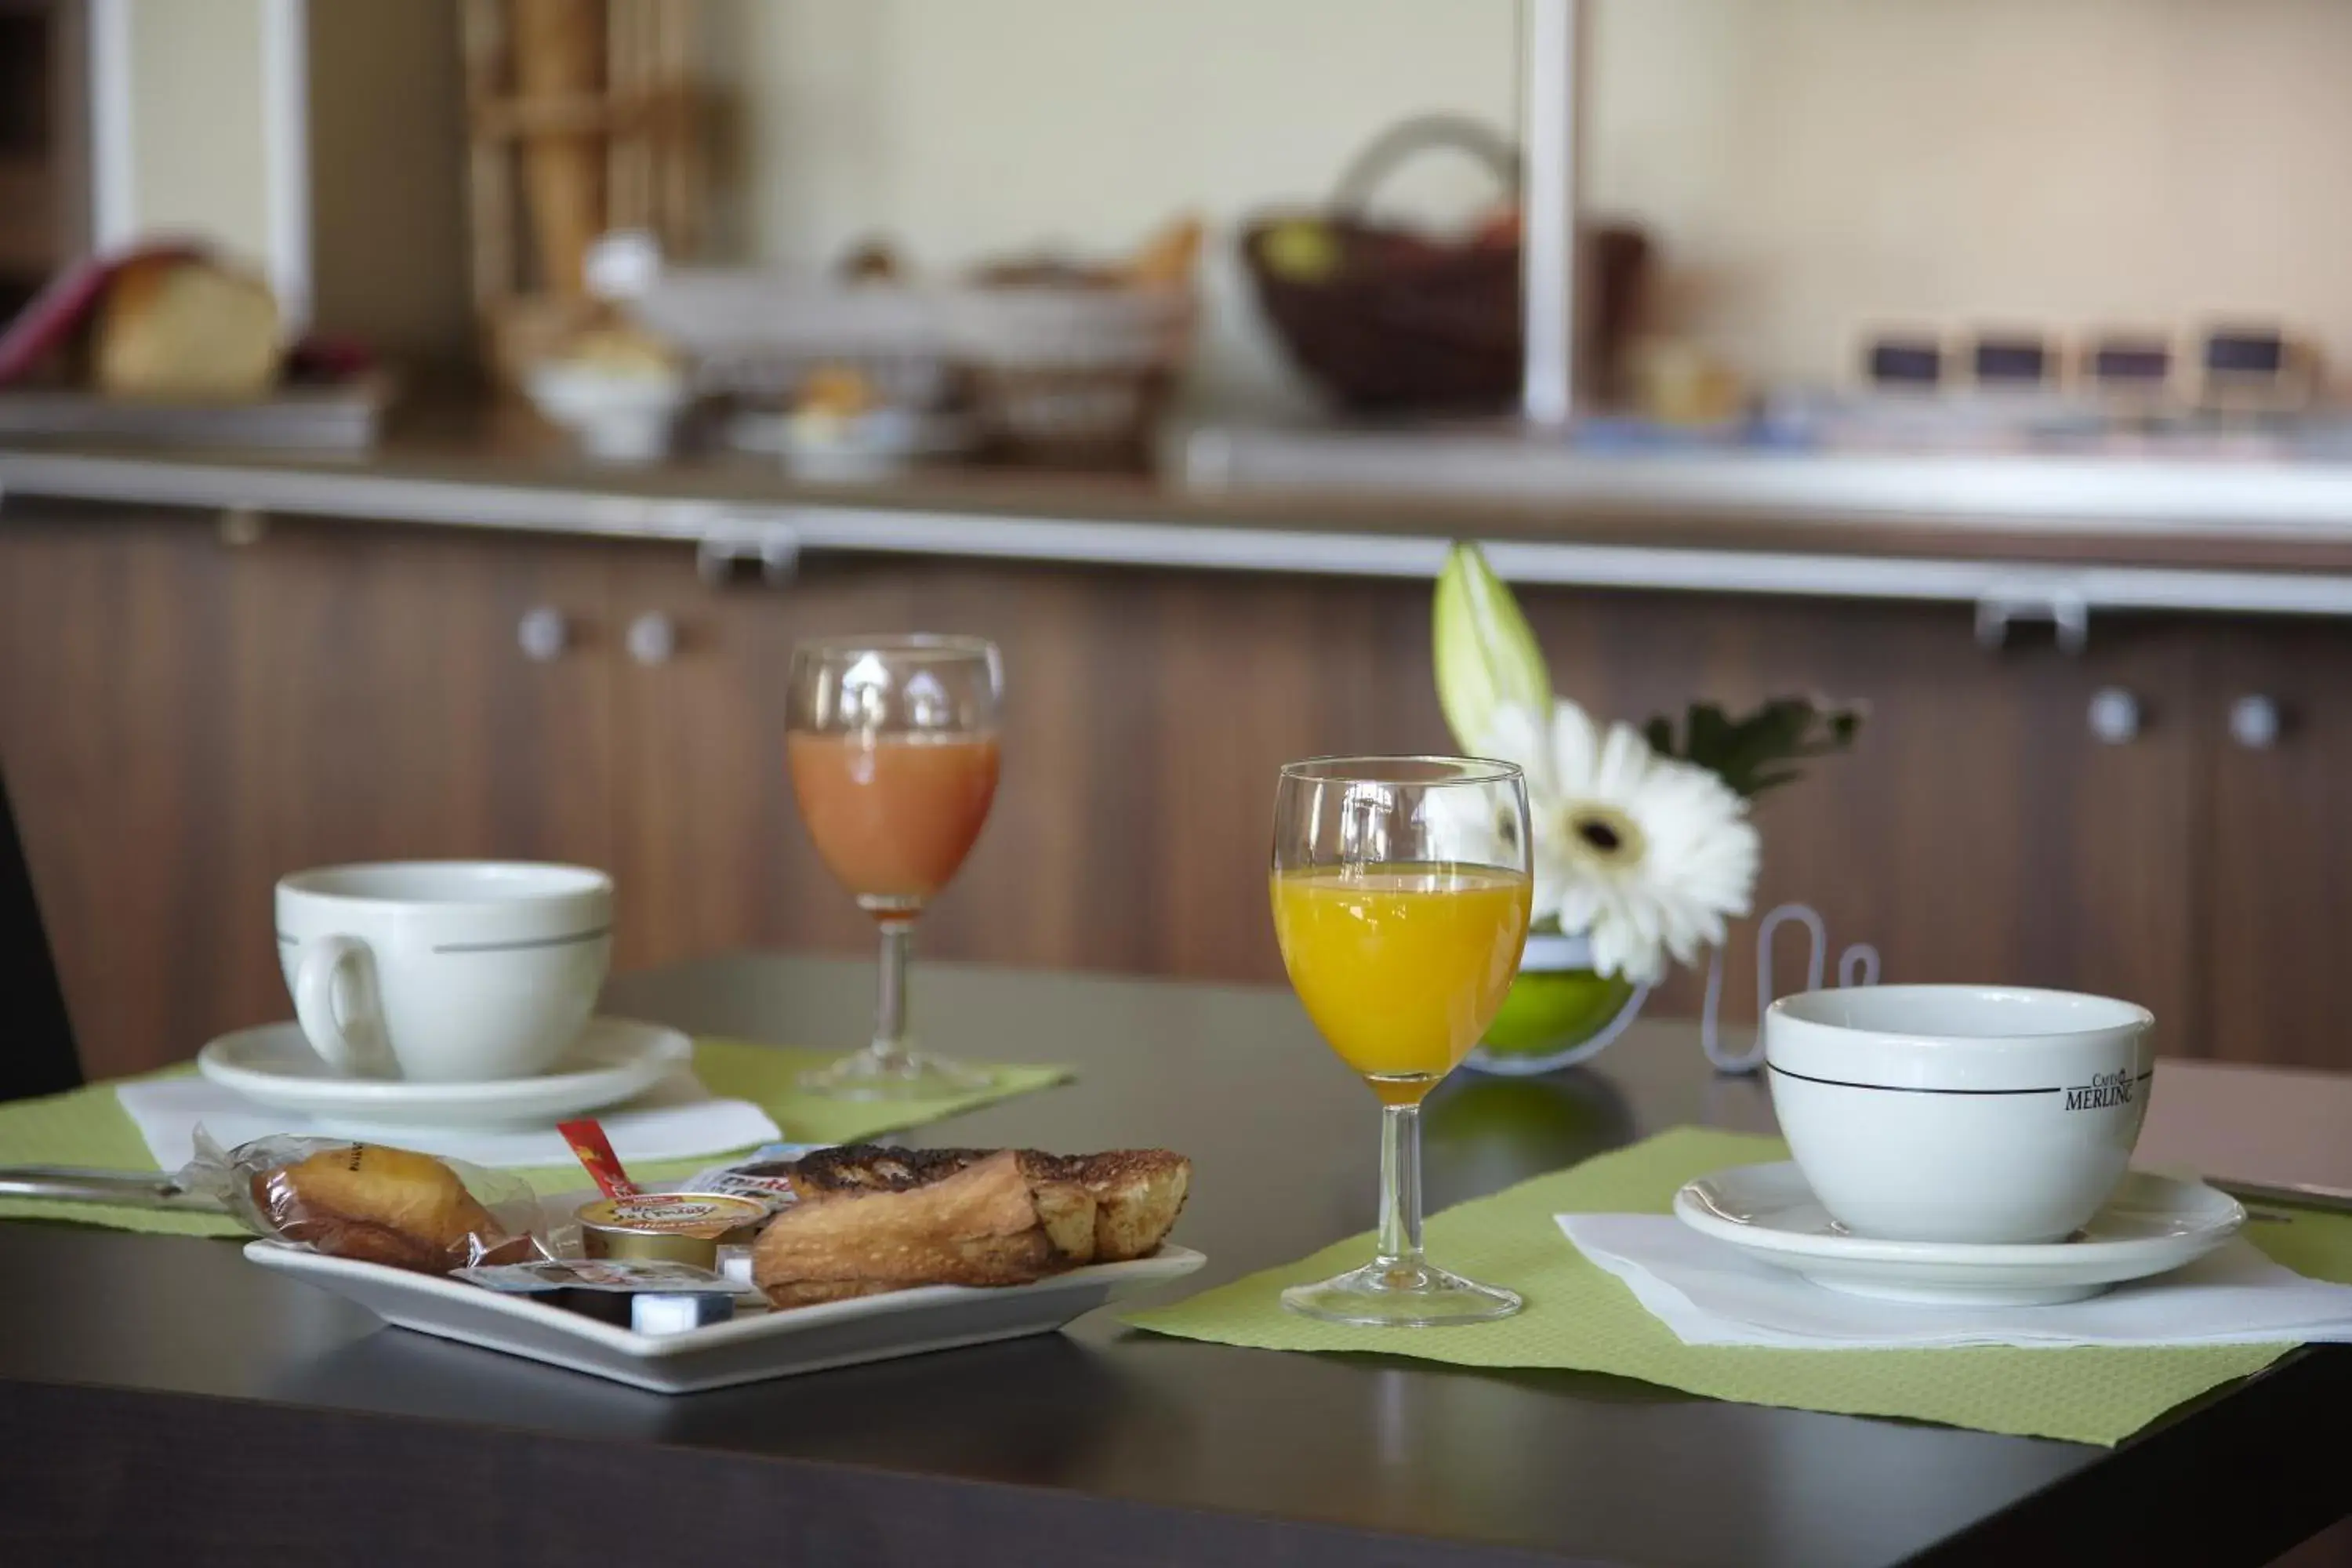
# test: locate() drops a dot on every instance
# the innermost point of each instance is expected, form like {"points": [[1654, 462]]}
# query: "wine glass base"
{"points": [[903, 1074], [1403, 1296]]}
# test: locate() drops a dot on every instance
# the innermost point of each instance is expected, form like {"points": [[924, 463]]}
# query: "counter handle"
{"points": [[652, 638], [2255, 722], [543, 633], [2115, 717]]}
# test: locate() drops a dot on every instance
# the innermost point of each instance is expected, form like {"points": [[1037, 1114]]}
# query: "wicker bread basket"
{"points": [[1073, 375], [1385, 318], [759, 334]]}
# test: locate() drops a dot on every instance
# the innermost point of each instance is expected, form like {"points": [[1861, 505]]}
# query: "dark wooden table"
{"points": [[161, 1401]]}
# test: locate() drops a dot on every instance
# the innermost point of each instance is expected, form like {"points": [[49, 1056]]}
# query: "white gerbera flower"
{"points": [[1646, 855]]}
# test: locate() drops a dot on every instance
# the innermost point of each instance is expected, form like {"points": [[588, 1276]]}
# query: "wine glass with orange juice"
{"points": [[891, 745], [1402, 890]]}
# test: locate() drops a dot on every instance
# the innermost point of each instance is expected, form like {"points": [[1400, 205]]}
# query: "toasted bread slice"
{"points": [[978, 1225], [810, 1292], [1138, 1195], [869, 1219]]}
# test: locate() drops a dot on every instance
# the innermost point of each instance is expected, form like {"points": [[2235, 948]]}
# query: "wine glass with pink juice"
{"points": [[891, 743]]}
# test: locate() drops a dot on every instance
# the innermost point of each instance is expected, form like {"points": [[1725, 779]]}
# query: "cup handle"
{"points": [[323, 958]]}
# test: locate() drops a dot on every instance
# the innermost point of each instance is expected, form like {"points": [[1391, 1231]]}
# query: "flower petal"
{"points": [[1694, 865], [1515, 733], [1575, 747]]}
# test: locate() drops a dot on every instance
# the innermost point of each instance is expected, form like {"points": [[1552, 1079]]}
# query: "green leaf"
{"points": [[1751, 753], [1485, 652]]}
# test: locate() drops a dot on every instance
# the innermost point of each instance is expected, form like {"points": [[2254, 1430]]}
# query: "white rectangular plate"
{"points": [[751, 1348]]}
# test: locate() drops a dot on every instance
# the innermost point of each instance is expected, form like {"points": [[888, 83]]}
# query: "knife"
{"points": [[128, 1189]]}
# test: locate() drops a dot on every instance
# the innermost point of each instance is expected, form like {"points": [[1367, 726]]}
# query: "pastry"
{"points": [[872, 262], [1168, 261], [867, 1219], [837, 391], [624, 353], [381, 1206]]}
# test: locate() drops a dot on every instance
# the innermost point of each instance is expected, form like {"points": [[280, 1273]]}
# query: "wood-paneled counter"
{"points": [[191, 705]]}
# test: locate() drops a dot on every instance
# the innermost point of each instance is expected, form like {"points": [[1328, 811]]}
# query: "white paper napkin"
{"points": [[1710, 1293], [676, 1120]]}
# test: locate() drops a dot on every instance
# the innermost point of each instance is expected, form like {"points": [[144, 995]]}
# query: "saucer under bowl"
{"points": [[2152, 1225]]}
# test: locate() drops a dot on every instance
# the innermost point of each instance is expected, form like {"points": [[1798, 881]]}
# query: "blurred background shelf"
{"points": [[468, 462]]}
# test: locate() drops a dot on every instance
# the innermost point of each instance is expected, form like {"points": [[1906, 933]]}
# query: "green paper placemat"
{"points": [[88, 1127], [1582, 1318], [769, 1077]]}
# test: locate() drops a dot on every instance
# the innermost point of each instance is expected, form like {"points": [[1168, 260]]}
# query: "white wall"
{"points": [[1807, 164], [197, 163], [200, 113], [1813, 163]]}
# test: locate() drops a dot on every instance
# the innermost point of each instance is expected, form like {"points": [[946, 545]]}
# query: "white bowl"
{"points": [[879, 444], [616, 418], [1959, 1113]]}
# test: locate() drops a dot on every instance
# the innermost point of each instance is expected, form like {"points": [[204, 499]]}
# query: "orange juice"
{"points": [[893, 815], [1402, 966]]}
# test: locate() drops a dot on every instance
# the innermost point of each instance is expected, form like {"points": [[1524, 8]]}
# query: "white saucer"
{"points": [[2152, 1225], [614, 1060]]}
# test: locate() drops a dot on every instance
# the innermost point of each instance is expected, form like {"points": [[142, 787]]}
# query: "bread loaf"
{"points": [[179, 328]]}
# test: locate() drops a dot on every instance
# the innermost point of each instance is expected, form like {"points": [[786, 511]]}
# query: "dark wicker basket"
{"points": [[1403, 322]]}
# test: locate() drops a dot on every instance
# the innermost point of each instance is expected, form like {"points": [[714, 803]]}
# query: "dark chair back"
{"points": [[37, 1043]]}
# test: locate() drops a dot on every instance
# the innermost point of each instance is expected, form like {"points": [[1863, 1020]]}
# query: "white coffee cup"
{"points": [[445, 970], [1959, 1113]]}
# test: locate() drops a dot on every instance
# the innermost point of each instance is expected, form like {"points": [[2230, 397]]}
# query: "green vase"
{"points": [[1558, 1012]]}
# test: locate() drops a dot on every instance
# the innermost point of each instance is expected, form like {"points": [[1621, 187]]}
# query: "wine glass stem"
{"points": [[890, 1001], [1399, 1245]]}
